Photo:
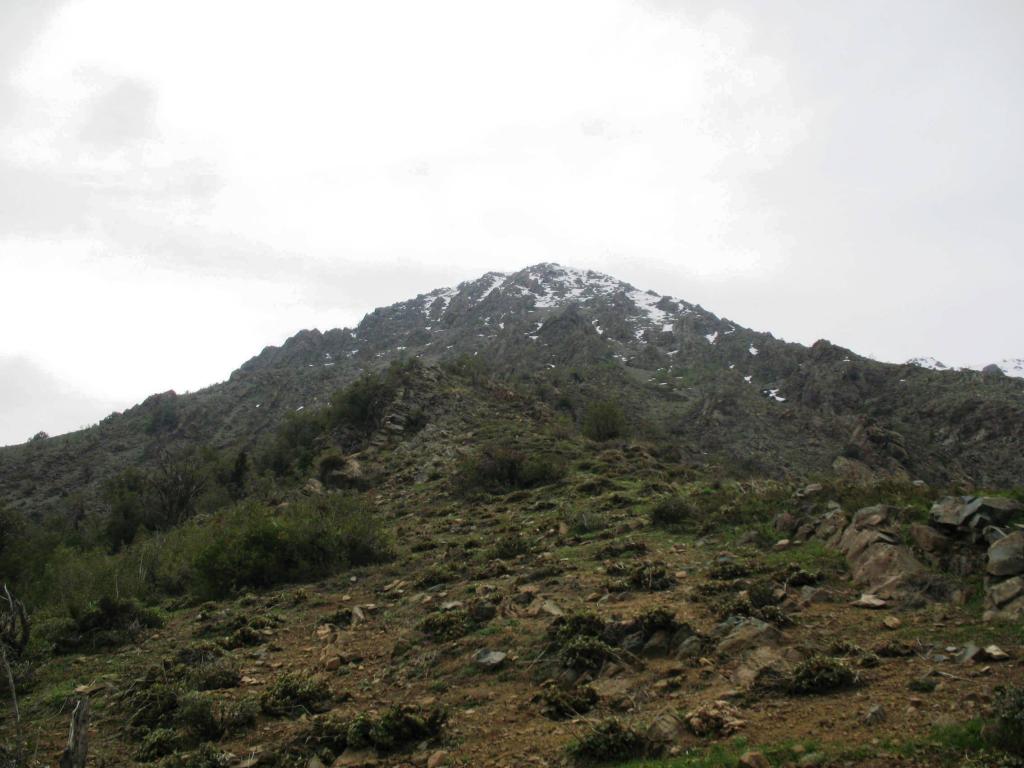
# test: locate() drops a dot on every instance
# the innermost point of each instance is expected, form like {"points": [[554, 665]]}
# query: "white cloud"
{"points": [[191, 181], [314, 118]]}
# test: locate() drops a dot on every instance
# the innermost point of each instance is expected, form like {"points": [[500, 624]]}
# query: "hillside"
{"points": [[541, 519], [708, 385]]}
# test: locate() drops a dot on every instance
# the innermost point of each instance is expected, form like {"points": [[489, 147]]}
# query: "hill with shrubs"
{"points": [[540, 519]]}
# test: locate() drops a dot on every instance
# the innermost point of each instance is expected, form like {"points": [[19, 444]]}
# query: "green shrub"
{"points": [[109, 622], [214, 674], [510, 546], [446, 625], [329, 461], [290, 695], [604, 421], [504, 468], [1008, 726], [251, 545], [196, 716], [396, 729], [821, 674], [150, 704], [647, 576], [565, 628], [293, 446], [610, 741], [362, 404], [672, 512], [156, 744], [204, 756], [562, 703], [401, 726], [237, 715], [586, 654]]}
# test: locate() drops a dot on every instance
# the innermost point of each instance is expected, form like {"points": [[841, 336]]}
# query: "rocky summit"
{"points": [[543, 518]]}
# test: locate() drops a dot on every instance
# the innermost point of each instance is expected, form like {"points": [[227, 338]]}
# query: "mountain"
{"points": [[718, 392], [542, 518]]}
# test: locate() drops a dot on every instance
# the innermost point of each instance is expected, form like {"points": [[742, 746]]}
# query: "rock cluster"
{"points": [[1004, 583], [879, 561], [964, 535], [967, 534]]}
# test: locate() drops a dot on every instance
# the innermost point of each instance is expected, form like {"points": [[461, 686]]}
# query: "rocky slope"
{"points": [[716, 390], [571, 624]]}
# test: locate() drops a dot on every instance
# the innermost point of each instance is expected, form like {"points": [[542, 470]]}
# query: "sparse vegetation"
{"points": [[502, 468], [291, 695], [610, 740], [481, 517], [604, 421], [821, 674]]}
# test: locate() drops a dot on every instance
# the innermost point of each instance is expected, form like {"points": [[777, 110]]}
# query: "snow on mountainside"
{"points": [[551, 286], [1009, 366]]}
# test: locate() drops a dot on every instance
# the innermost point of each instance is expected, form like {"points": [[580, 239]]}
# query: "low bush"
{"points": [[647, 576], [251, 545], [603, 421], [158, 743], [398, 728], [586, 654], [109, 622], [1008, 715], [672, 512], [361, 405], [566, 628], [821, 674], [291, 695], [559, 703], [510, 547], [504, 468], [610, 741], [446, 625]]}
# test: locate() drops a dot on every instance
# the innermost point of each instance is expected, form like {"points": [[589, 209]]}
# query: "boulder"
{"points": [[945, 513], [715, 718], [351, 474], [872, 602], [748, 633], [489, 659], [666, 728], [1006, 556], [1011, 611], [878, 561], [1006, 591], [929, 539], [994, 510], [831, 527], [785, 523], [765, 662]]}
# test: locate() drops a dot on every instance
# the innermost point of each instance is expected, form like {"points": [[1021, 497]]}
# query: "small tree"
{"points": [[176, 484]]}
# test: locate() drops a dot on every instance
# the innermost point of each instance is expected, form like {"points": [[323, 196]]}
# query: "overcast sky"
{"points": [[184, 183]]}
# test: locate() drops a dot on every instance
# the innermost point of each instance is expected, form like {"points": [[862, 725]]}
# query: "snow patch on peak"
{"points": [[647, 303], [553, 285], [930, 363]]}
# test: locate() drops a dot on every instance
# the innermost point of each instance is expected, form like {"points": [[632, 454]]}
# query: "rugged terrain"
{"points": [[588, 525], [564, 337]]}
